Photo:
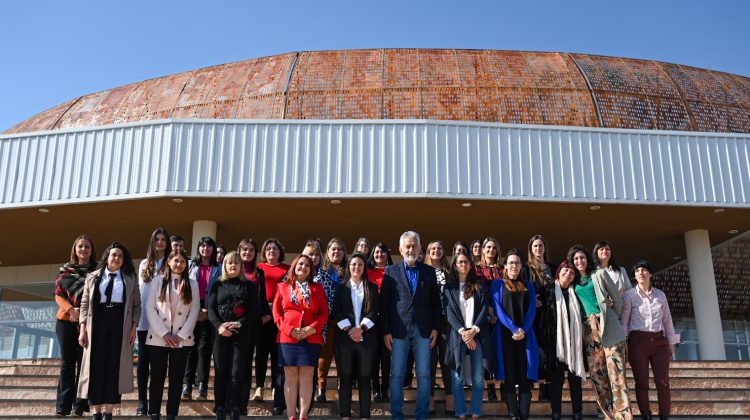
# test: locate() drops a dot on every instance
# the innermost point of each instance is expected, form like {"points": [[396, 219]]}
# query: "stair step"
{"points": [[700, 389], [50, 393], [33, 381], [34, 407], [50, 370]]}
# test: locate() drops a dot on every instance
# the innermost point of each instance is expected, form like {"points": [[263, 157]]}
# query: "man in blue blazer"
{"points": [[410, 314]]}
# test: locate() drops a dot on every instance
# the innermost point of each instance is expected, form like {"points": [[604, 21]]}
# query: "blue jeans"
{"points": [[421, 348], [477, 385]]}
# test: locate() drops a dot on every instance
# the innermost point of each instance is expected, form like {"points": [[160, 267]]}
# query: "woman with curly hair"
{"points": [[110, 309], [604, 336]]}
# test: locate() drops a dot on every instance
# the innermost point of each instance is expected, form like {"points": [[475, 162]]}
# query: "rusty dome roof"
{"points": [[443, 84]]}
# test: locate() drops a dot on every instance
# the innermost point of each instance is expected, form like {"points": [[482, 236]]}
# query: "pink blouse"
{"points": [[649, 312]]}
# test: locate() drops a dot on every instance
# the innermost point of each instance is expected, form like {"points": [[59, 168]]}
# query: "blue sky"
{"points": [[53, 51]]}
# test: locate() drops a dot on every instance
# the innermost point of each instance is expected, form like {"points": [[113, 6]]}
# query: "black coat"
{"points": [[548, 338], [455, 348], [343, 308]]}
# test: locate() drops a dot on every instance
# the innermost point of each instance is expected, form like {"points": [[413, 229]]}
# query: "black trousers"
{"points": [[278, 388], [350, 358], [438, 355], [143, 366], [176, 359], [381, 366], [514, 359], [248, 375], [106, 342], [265, 345], [199, 356], [230, 363], [555, 387], [70, 369]]}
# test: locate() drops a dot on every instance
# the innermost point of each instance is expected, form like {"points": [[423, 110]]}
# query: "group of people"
{"points": [[485, 319]]}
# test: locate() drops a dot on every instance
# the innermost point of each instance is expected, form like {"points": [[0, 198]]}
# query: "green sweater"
{"points": [[587, 295]]}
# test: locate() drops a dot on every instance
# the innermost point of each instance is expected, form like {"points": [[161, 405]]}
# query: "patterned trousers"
{"points": [[607, 372]]}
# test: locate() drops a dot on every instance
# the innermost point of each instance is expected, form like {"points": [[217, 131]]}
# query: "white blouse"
{"points": [[118, 288], [467, 307], [358, 298]]}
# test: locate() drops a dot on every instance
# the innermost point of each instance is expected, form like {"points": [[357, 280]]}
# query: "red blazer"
{"points": [[287, 315]]}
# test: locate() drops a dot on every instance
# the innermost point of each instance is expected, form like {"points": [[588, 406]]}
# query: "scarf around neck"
{"points": [[569, 346], [70, 282], [304, 292]]}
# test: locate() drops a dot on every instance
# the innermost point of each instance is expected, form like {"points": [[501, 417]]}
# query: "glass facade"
{"points": [[736, 339]]}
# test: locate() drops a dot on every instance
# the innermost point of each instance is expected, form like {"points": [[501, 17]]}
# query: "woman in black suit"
{"points": [[354, 312]]}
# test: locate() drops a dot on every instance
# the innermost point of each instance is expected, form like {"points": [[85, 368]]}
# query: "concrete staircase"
{"points": [[703, 390]]}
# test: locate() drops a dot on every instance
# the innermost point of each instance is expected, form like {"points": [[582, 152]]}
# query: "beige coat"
{"points": [[130, 321], [160, 316]]}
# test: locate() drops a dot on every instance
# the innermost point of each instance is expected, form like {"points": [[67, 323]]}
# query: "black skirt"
{"points": [[106, 344]]}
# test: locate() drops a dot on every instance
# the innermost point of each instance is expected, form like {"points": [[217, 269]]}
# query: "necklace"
{"points": [[583, 281]]}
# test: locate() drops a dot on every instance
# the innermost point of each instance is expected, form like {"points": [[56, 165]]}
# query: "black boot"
{"points": [[543, 392], [142, 409], [98, 416], [384, 392], [511, 402], [524, 405], [491, 394], [321, 395], [202, 391], [187, 392], [221, 413]]}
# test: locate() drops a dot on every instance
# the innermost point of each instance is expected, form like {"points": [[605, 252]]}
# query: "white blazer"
{"points": [[160, 316]]}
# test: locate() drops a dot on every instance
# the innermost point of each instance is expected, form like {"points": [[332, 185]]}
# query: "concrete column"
{"points": [[705, 298], [201, 228]]}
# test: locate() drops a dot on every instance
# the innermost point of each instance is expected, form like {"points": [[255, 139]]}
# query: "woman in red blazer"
{"points": [[300, 311]]}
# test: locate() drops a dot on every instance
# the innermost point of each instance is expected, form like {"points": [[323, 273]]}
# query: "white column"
{"points": [[705, 298], [202, 228]]}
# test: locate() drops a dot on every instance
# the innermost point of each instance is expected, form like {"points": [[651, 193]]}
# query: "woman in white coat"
{"points": [[172, 311]]}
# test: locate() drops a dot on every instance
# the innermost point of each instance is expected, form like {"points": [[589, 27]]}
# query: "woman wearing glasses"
{"points": [[514, 299], [465, 300]]}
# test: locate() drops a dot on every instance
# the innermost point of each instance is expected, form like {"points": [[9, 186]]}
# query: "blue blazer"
{"points": [[532, 349], [399, 309]]}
